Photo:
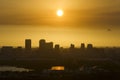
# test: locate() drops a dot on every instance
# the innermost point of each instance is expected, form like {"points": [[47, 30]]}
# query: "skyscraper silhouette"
{"points": [[42, 44], [82, 46], [28, 44], [89, 46], [57, 47]]}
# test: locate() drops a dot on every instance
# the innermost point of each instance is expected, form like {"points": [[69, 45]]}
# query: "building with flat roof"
{"points": [[42, 44], [28, 44]]}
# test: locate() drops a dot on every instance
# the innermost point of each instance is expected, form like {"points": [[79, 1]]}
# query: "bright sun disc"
{"points": [[60, 12]]}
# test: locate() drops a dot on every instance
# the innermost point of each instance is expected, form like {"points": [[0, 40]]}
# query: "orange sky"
{"points": [[85, 21]]}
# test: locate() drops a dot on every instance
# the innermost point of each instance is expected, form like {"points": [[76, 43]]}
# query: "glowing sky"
{"points": [[83, 21]]}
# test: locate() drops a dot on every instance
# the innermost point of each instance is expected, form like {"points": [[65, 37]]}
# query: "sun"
{"points": [[60, 12]]}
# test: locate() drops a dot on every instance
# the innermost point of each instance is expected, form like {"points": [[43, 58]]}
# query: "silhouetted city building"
{"points": [[19, 50], [82, 46], [72, 48], [7, 49], [45, 47], [49, 46], [28, 44], [57, 47], [42, 44], [89, 46], [19, 47]]}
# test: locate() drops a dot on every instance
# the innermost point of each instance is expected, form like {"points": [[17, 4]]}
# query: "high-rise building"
{"points": [[49, 46], [28, 44], [82, 46], [89, 46], [42, 43], [57, 47]]}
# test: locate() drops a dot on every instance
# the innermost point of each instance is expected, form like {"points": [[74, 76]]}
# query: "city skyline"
{"points": [[59, 39], [28, 45], [88, 21], [15, 36]]}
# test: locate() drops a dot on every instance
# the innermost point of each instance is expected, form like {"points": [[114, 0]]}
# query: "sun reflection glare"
{"points": [[58, 68]]}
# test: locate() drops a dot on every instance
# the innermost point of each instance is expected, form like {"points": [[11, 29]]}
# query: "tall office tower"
{"points": [[42, 44], [89, 46], [82, 46], [28, 44]]}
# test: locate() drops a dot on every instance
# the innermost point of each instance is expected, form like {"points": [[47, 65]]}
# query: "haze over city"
{"points": [[82, 21], [59, 40]]}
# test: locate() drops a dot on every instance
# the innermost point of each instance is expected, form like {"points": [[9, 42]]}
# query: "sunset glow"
{"points": [[58, 68], [60, 12], [60, 39], [61, 21]]}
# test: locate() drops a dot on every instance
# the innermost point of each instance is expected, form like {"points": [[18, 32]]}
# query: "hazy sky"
{"points": [[83, 21], [43, 12]]}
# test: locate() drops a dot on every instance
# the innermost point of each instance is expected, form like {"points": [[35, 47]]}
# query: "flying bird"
{"points": [[109, 30]]}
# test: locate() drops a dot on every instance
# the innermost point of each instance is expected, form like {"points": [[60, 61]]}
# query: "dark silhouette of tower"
{"points": [[28, 44], [42, 44], [82, 46], [89, 46], [72, 48], [57, 47], [49, 46]]}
